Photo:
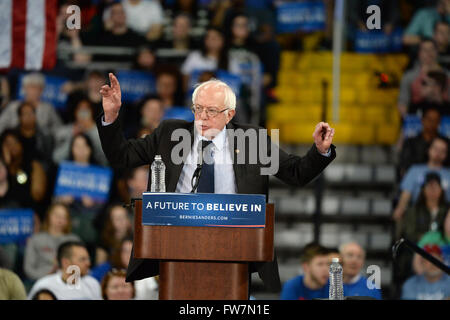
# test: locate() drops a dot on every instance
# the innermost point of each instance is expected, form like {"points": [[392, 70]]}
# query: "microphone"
{"points": [[196, 176]]}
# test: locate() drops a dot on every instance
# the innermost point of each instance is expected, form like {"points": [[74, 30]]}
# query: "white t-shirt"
{"points": [[142, 16], [87, 288], [196, 61]]}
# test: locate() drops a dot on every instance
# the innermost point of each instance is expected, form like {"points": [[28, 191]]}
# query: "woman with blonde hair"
{"points": [[41, 248]]}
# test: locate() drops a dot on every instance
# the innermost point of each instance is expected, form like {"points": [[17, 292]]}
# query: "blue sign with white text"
{"points": [[135, 84], [77, 181], [16, 225], [376, 41], [300, 16], [204, 210]]}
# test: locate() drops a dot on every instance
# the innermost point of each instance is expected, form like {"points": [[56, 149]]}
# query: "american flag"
{"points": [[28, 34]]}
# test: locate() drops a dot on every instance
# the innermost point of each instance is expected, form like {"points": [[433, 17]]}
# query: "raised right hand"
{"points": [[111, 99]]}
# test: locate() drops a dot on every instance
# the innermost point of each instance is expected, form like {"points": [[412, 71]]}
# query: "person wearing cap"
{"points": [[415, 176], [424, 216], [354, 283], [433, 284]]}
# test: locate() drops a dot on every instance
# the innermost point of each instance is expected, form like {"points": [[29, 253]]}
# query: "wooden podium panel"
{"points": [[203, 263]]}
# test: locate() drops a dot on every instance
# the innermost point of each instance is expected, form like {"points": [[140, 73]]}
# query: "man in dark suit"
{"points": [[214, 106]]}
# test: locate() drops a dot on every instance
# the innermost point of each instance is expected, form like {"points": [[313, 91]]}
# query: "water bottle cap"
{"points": [[335, 260], [158, 157]]}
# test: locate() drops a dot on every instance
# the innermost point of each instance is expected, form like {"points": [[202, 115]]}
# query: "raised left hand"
{"points": [[323, 136]]}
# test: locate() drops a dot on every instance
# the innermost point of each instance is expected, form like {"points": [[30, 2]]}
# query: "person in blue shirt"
{"points": [[313, 284], [433, 284], [355, 284]]}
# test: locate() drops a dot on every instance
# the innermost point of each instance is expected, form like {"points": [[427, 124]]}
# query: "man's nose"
{"points": [[203, 115]]}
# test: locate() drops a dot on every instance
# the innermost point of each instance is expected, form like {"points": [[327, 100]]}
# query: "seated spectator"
{"points": [[168, 87], [69, 41], [88, 89], [44, 294], [313, 283], [411, 83], [26, 177], [355, 284], [414, 177], [72, 256], [83, 122], [37, 143], [145, 59], [116, 34], [423, 21], [433, 92], [40, 251], [432, 285], [117, 227], [114, 286], [212, 55], [179, 37], [6, 200], [415, 149], [440, 237], [47, 118], [151, 114], [84, 210], [144, 17], [441, 35], [11, 287]]}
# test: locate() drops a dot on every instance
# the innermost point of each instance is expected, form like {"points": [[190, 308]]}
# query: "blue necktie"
{"points": [[206, 182]]}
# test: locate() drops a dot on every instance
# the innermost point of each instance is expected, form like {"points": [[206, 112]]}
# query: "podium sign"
{"points": [[204, 210]]}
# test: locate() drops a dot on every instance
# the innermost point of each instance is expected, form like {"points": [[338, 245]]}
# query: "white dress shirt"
{"points": [[224, 179]]}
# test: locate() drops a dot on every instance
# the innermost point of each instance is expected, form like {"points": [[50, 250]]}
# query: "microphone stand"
{"points": [[423, 253]]}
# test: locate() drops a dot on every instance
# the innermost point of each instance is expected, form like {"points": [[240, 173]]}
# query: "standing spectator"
{"points": [[11, 287], [40, 252], [411, 83], [144, 17], [114, 286], [423, 22], [83, 122], [33, 85], [37, 143], [355, 284], [313, 283], [415, 176], [71, 256], [415, 149], [432, 285]]}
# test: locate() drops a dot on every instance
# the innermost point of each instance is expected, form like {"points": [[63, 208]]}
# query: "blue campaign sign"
{"points": [[204, 210], [412, 125], [376, 41], [182, 113], [16, 225], [135, 84], [52, 93], [300, 16], [77, 180]]}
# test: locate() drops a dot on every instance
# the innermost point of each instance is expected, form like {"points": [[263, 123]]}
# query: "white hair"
{"points": [[230, 97], [34, 78]]}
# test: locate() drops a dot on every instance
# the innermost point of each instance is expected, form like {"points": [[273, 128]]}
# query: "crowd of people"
{"points": [[177, 43]]}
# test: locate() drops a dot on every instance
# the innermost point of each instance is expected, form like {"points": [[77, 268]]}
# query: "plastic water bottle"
{"points": [[158, 175], [336, 286]]}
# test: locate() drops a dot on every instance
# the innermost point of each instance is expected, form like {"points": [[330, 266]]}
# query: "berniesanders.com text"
{"points": [[196, 217]]}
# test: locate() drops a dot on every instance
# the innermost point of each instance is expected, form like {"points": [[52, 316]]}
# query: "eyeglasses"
{"points": [[210, 112]]}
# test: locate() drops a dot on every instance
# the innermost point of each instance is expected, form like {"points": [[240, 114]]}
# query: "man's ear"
{"points": [[230, 115]]}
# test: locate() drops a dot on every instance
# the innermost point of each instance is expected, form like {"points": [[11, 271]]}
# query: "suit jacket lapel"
{"points": [[177, 168], [232, 145]]}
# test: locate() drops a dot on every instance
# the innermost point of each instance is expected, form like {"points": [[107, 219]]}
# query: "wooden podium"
{"points": [[203, 263]]}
